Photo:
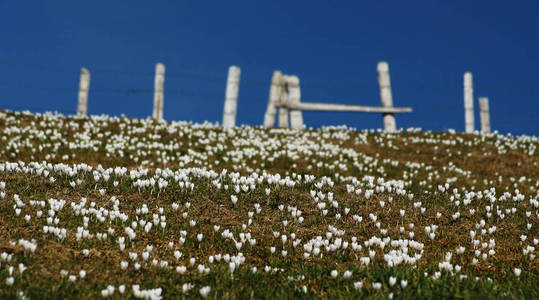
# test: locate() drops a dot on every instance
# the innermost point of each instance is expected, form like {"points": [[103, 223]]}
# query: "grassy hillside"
{"points": [[122, 208]]}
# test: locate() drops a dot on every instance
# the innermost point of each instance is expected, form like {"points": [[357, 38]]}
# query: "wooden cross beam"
{"points": [[312, 106]]}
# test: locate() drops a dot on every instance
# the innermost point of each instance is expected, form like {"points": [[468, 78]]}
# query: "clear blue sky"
{"points": [[332, 46]]}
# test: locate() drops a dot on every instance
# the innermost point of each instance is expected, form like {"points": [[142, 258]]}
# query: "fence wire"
{"points": [[248, 82], [519, 117]]}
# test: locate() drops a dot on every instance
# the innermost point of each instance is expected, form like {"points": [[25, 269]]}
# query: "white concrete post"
{"points": [[294, 98], [274, 96], [231, 97], [385, 95], [158, 92], [84, 89], [484, 114], [468, 103]]}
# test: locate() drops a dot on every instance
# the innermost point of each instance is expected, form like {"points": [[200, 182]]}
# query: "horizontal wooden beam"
{"points": [[311, 106]]}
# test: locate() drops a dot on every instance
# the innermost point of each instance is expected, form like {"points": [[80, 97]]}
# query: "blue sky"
{"points": [[333, 46]]}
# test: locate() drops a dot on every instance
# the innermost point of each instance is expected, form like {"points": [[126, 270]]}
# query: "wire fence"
{"points": [[527, 114], [247, 82]]}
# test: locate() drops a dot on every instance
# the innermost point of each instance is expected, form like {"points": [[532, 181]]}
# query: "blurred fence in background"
{"points": [[63, 98]]}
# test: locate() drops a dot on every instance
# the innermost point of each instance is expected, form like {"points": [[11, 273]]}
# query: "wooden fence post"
{"points": [[283, 110], [385, 95], [158, 92], [231, 97], [468, 103], [84, 89], [294, 98], [484, 114], [274, 96]]}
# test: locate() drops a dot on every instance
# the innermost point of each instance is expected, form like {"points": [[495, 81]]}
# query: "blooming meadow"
{"points": [[108, 207]]}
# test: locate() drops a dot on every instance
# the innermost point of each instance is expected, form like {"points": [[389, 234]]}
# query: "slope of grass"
{"points": [[406, 215]]}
